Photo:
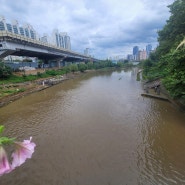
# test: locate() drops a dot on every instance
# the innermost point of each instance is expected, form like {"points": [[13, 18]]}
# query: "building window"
{"points": [[26, 32], [21, 31], [9, 27], [32, 34], [15, 29], [2, 27]]}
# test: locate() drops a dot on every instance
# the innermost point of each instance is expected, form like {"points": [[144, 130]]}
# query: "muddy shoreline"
{"points": [[36, 86]]}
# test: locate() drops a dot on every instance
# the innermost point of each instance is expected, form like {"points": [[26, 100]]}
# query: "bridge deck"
{"points": [[8, 37]]}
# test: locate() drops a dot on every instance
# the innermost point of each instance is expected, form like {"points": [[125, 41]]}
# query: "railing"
{"points": [[40, 43]]}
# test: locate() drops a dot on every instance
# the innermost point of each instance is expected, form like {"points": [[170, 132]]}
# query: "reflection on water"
{"points": [[97, 129]]}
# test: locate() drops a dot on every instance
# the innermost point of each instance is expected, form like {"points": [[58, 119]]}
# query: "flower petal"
{"points": [[23, 151], [4, 164]]}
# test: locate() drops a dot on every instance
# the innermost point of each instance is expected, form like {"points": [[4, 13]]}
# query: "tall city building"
{"points": [[15, 26], [86, 52], [9, 27], [2, 23], [135, 52], [26, 30], [65, 40], [31, 31], [130, 57], [142, 55], [148, 49], [55, 38], [21, 31], [61, 40], [44, 38]]}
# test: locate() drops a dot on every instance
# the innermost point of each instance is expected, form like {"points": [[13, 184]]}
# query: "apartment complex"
{"points": [[59, 39], [25, 30]]}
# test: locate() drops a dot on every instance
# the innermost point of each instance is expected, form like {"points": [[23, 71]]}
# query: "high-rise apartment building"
{"points": [[44, 38], [61, 40], [26, 30], [29, 31], [9, 27], [21, 31], [2, 23], [15, 27], [55, 38], [66, 43]]}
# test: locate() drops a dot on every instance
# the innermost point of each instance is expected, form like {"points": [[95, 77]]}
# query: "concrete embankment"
{"points": [[155, 96], [155, 89]]}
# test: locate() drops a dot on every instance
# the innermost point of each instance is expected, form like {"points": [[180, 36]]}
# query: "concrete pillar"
{"points": [[58, 63]]}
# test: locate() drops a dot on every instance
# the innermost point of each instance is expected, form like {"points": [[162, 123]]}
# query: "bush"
{"points": [[5, 71], [74, 67], [82, 67]]}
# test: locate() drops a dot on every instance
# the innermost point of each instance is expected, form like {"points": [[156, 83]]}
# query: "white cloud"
{"points": [[108, 27]]}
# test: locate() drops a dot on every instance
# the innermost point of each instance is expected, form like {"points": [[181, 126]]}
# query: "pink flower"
{"points": [[4, 164], [23, 151]]}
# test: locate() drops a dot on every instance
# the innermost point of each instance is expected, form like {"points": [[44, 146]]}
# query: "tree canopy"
{"points": [[5, 71], [174, 30], [168, 62]]}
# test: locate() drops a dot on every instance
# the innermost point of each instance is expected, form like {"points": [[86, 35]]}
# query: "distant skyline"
{"points": [[108, 27]]}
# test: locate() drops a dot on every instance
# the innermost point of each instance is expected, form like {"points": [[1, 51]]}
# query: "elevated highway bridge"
{"points": [[18, 45]]}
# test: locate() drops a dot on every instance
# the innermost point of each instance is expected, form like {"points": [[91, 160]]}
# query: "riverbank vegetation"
{"points": [[8, 79], [7, 75], [168, 61]]}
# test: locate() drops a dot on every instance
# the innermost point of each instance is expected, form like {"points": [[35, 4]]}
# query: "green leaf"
{"points": [[6, 140], [1, 128]]}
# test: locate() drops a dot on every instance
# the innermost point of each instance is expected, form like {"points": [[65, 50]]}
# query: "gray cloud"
{"points": [[108, 27]]}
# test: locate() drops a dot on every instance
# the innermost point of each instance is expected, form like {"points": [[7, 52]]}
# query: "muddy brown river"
{"points": [[97, 130]]}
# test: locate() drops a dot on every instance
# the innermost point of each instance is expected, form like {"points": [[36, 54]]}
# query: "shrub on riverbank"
{"points": [[5, 71], [82, 67]]}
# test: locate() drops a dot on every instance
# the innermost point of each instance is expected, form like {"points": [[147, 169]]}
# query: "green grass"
{"points": [[10, 91]]}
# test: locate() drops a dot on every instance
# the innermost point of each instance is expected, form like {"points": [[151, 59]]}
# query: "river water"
{"points": [[97, 130]]}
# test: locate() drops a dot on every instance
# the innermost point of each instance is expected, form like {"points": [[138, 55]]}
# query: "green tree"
{"points": [[120, 64], [90, 65], [174, 30], [5, 71], [168, 61], [175, 80], [73, 68], [82, 67]]}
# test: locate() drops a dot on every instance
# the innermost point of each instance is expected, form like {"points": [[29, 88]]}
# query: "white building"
{"points": [[2, 23], [66, 43], [15, 26], [44, 38], [61, 39]]}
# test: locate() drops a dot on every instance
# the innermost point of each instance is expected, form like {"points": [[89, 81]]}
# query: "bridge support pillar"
{"points": [[59, 63]]}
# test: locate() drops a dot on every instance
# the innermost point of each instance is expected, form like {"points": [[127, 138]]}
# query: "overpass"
{"points": [[18, 45]]}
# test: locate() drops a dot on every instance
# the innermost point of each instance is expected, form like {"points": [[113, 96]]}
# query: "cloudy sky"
{"points": [[108, 27]]}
